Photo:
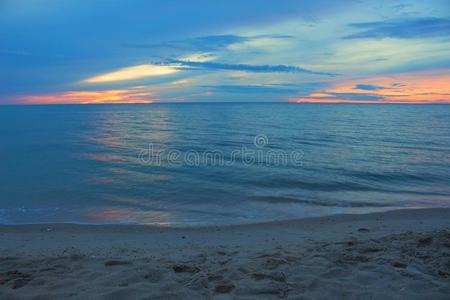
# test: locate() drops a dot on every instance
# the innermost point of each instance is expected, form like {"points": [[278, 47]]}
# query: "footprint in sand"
{"points": [[181, 268], [111, 263], [154, 276], [273, 263]]}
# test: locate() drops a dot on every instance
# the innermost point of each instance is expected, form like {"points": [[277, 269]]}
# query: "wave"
{"points": [[328, 203], [343, 186]]}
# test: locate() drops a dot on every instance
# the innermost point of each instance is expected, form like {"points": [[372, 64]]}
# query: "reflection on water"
{"points": [[81, 163], [113, 215]]}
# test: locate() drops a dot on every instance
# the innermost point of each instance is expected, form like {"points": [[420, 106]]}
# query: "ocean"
{"points": [[219, 163]]}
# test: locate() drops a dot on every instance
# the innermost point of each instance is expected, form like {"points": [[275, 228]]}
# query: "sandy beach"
{"points": [[395, 255]]}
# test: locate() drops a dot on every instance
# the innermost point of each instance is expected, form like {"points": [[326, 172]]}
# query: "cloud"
{"points": [[130, 73], [241, 67], [356, 96], [368, 87], [288, 88], [429, 86], [331, 97], [206, 43], [172, 66], [402, 29], [249, 89], [200, 57]]}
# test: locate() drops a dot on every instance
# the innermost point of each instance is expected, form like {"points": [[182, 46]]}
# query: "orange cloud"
{"points": [[431, 86], [139, 94]]}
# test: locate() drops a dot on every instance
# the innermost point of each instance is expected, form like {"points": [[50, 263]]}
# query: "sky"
{"points": [[325, 51]]}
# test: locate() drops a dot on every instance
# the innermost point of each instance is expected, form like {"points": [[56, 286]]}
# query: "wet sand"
{"points": [[395, 255]]}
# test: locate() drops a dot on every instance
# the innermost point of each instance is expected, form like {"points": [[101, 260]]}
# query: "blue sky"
{"points": [[83, 51]]}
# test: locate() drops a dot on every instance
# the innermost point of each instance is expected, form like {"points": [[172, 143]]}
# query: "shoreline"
{"points": [[274, 222], [405, 251]]}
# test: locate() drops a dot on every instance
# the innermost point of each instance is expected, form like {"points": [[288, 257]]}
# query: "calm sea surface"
{"points": [[196, 164]]}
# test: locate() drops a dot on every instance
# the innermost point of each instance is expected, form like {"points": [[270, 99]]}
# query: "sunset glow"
{"points": [[432, 86], [290, 51], [133, 95]]}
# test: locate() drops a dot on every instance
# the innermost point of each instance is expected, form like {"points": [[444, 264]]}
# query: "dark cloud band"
{"points": [[243, 67], [404, 29]]}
